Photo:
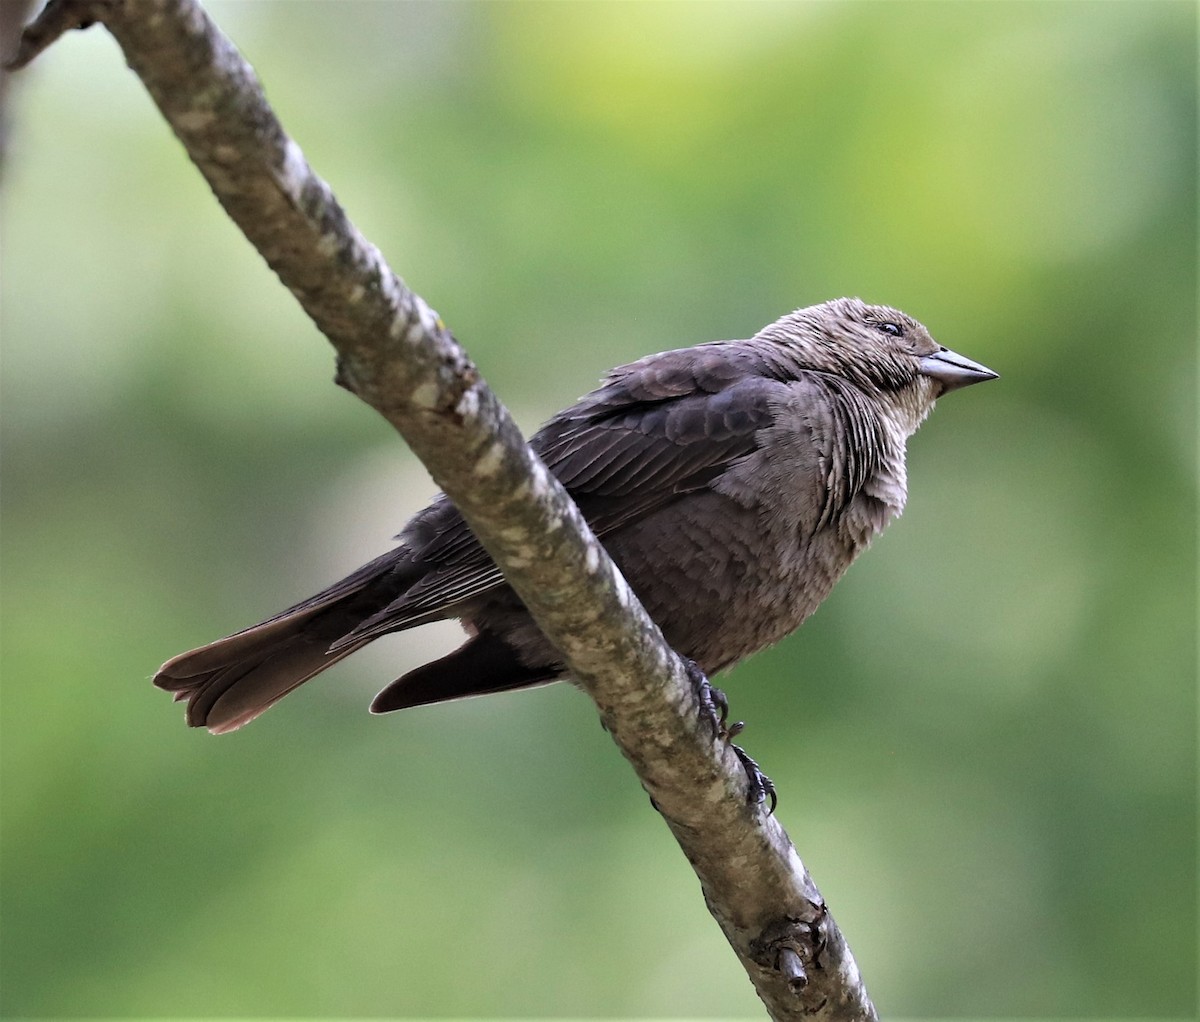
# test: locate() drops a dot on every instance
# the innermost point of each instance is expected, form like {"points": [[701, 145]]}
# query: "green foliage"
{"points": [[984, 742]]}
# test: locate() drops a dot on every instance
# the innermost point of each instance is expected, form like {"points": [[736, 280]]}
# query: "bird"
{"points": [[732, 482]]}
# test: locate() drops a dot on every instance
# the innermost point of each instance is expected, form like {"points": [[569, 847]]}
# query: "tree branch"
{"points": [[397, 355]]}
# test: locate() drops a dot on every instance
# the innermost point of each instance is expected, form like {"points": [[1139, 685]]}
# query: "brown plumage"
{"points": [[732, 482]]}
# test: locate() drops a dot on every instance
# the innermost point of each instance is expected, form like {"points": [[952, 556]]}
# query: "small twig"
{"points": [[54, 20], [791, 967]]}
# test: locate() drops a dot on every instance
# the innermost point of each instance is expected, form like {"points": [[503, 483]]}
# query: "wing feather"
{"points": [[656, 429]]}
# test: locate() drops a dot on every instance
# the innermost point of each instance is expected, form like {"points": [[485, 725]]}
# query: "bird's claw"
{"points": [[761, 787], [715, 707]]}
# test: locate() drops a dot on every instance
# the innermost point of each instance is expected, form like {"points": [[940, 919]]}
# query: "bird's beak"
{"points": [[952, 370]]}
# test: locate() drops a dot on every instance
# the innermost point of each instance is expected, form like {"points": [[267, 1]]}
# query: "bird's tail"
{"points": [[231, 681]]}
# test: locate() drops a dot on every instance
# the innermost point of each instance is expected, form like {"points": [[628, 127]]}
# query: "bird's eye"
{"points": [[890, 328]]}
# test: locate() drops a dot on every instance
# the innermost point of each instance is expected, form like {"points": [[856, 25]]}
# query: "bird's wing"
{"points": [[657, 429]]}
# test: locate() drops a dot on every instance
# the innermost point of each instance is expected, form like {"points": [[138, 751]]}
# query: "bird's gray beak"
{"points": [[952, 371]]}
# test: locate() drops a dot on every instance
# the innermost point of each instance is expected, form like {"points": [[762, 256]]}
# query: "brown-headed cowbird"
{"points": [[732, 482]]}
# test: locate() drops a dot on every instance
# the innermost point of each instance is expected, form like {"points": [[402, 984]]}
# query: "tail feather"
{"points": [[231, 681], [223, 698]]}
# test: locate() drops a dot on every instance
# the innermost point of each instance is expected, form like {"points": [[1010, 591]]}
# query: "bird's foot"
{"points": [[715, 707]]}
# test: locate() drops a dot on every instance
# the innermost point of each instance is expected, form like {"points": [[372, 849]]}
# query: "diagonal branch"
{"points": [[397, 355]]}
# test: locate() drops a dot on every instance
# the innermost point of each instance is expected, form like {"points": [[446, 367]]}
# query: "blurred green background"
{"points": [[985, 742]]}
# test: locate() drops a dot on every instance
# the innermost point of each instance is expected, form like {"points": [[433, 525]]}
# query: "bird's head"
{"points": [[881, 350]]}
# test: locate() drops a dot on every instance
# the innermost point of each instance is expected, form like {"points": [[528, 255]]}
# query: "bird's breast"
{"points": [[724, 580]]}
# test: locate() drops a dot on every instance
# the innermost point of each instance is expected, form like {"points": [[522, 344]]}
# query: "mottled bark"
{"points": [[395, 353]]}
